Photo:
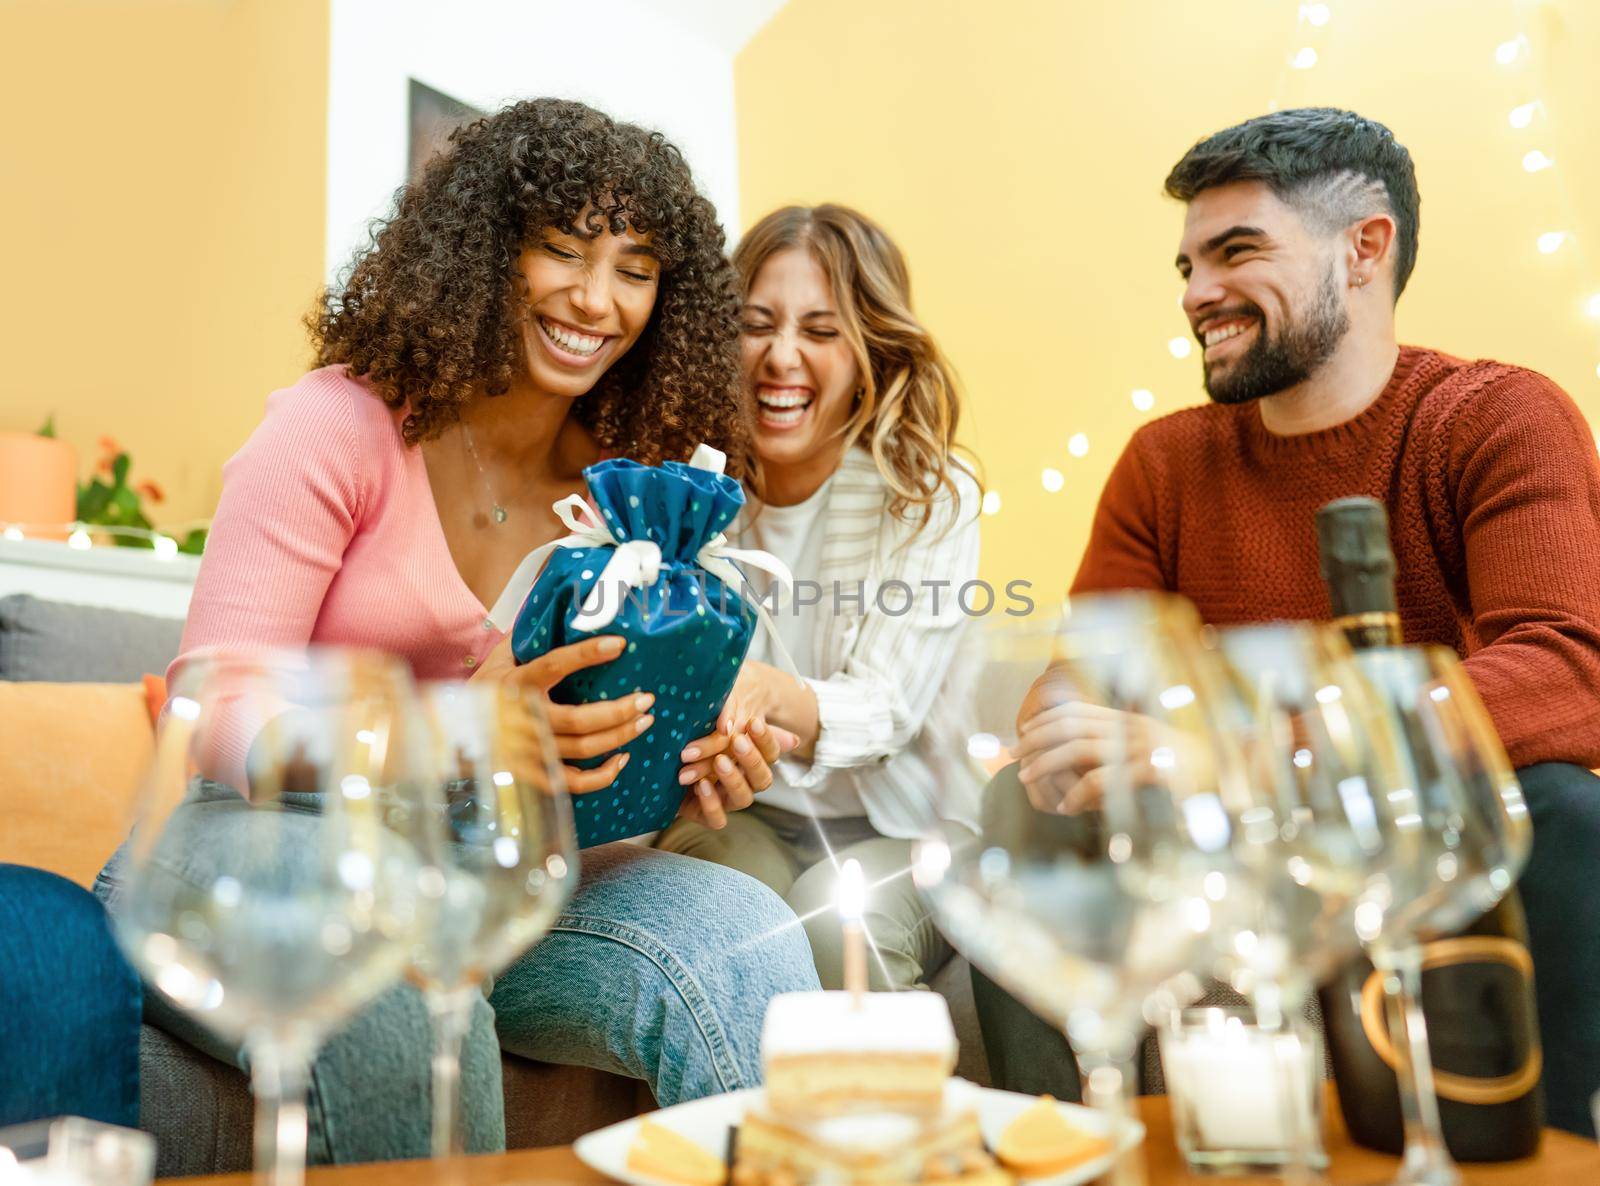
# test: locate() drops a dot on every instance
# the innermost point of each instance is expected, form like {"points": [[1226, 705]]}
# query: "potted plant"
{"points": [[38, 482], [107, 500]]}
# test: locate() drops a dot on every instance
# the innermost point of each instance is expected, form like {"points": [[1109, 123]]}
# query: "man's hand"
{"points": [[581, 730], [1070, 752]]}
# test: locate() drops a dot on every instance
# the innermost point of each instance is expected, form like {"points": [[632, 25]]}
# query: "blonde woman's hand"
{"points": [[724, 771], [581, 730]]}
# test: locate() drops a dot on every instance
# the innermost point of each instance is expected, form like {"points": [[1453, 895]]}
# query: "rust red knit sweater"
{"points": [[1491, 481]]}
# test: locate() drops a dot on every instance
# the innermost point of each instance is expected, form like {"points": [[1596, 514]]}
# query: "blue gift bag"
{"points": [[654, 569]]}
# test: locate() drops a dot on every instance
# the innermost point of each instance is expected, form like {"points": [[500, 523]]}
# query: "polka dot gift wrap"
{"points": [[686, 632]]}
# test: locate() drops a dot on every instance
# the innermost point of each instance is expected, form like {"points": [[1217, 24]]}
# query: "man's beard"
{"points": [[1276, 364]]}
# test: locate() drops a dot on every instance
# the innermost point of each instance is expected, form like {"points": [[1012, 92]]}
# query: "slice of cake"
{"points": [[830, 1052], [864, 1149]]}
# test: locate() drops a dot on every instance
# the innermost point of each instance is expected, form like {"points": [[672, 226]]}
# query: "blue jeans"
{"points": [[69, 1030], [660, 969]]}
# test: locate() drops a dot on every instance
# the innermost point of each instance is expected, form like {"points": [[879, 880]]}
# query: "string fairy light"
{"points": [[80, 535], [1521, 116], [1508, 52], [1517, 52]]}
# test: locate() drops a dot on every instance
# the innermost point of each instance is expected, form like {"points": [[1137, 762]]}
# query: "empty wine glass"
{"points": [[1462, 809], [507, 862], [276, 878], [1318, 837], [1318, 834], [1096, 887]]}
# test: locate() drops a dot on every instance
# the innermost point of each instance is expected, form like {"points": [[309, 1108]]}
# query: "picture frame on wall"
{"points": [[433, 115]]}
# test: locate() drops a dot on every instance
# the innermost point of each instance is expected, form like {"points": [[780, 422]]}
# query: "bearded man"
{"points": [[1299, 236]]}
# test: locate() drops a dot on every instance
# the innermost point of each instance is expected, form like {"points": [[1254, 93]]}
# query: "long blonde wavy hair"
{"points": [[908, 404]]}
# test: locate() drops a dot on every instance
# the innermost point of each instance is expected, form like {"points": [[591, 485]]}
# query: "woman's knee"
{"points": [[687, 904]]}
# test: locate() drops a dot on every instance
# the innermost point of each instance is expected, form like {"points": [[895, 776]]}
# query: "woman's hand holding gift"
{"points": [[581, 730]]}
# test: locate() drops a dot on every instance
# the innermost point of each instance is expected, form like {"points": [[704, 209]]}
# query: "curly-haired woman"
{"points": [[552, 288], [862, 493]]}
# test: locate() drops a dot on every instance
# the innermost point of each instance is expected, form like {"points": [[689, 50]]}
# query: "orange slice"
{"points": [[661, 1153], [1042, 1142]]}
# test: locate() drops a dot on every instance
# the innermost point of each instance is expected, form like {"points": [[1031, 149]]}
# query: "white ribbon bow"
{"points": [[636, 563]]}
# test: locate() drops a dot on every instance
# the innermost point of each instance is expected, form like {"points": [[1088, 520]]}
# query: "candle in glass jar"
{"points": [[1232, 1078]]}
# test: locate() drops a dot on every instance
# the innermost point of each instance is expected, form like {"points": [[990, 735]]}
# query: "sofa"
{"points": [[75, 738]]}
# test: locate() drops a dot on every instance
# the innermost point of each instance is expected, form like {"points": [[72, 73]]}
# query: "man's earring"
{"points": [[1360, 280]]}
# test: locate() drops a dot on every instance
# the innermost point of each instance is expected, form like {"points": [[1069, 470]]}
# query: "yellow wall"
{"points": [[161, 199], [1016, 150]]}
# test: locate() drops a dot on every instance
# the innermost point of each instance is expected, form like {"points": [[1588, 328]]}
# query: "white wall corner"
{"points": [[666, 64]]}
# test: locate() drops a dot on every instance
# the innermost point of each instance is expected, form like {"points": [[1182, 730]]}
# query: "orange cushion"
{"points": [[71, 760], [155, 696]]}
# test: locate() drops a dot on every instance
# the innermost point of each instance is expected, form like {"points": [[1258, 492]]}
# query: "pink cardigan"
{"points": [[327, 533]]}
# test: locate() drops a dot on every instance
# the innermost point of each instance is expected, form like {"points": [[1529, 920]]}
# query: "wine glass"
{"points": [[1096, 891], [276, 877], [507, 861], [1319, 836], [1462, 810]]}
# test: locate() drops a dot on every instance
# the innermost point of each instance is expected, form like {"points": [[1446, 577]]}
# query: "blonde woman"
{"points": [[861, 494]]}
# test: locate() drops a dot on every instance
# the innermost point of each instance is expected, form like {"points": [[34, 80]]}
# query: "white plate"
{"points": [[706, 1122]]}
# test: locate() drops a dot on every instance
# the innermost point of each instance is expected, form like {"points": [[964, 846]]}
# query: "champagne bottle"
{"points": [[1477, 987]]}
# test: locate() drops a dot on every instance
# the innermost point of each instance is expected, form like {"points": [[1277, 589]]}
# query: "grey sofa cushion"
{"points": [[50, 640]]}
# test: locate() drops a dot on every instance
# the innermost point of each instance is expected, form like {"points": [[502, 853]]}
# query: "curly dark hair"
{"points": [[433, 310]]}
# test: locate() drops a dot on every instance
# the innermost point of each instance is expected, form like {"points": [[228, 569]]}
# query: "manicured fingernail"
{"points": [[610, 645], [624, 762], [705, 790], [758, 727], [686, 778], [741, 744], [690, 754], [725, 726], [642, 703], [723, 765], [644, 723]]}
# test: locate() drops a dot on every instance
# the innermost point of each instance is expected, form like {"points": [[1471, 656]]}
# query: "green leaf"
{"points": [[49, 429], [119, 469], [194, 543], [93, 500]]}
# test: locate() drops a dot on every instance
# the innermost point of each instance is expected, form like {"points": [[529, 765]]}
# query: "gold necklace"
{"points": [[497, 512]]}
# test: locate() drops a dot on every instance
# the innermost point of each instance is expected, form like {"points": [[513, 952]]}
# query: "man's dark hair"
{"points": [[1333, 166]]}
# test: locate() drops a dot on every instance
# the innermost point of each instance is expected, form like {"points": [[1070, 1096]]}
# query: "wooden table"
{"points": [[1564, 1160]]}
